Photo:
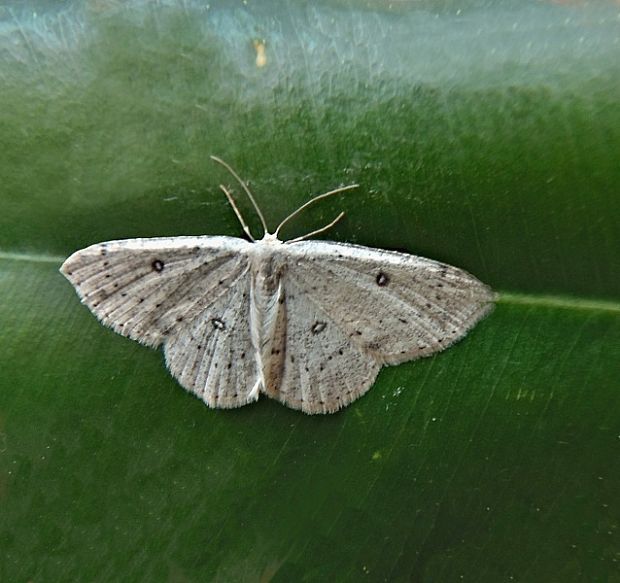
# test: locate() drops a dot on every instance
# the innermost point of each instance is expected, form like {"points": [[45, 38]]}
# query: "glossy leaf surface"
{"points": [[484, 134]]}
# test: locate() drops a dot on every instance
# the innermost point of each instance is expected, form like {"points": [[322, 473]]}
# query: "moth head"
{"points": [[268, 237]]}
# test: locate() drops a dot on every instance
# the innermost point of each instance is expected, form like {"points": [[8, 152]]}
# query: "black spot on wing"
{"points": [[318, 327], [382, 279], [158, 265]]}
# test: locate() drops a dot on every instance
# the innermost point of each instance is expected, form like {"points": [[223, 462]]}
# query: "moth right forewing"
{"points": [[396, 306]]}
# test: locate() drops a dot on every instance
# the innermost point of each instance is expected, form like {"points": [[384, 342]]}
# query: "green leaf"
{"points": [[484, 134]]}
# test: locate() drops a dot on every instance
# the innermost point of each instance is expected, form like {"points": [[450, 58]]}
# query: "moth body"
{"points": [[267, 310]]}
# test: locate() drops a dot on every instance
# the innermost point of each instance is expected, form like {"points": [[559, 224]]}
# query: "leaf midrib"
{"points": [[504, 297]]}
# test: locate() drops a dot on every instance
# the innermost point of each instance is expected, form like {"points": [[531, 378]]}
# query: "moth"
{"points": [[309, 323]]}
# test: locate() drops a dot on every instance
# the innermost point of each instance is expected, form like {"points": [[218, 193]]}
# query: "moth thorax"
{"points": [[267, 275]]}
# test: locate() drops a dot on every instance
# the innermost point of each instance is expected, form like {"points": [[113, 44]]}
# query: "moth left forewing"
{"points": [[141, 287], [396, 306]]}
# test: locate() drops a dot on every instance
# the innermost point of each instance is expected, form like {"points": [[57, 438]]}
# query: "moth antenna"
{"points": [[312, 233], [247, 191], [231, 200], [312, 201]]}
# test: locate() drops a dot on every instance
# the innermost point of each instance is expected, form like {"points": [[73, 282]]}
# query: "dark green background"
{"points": [[484, 134]]}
